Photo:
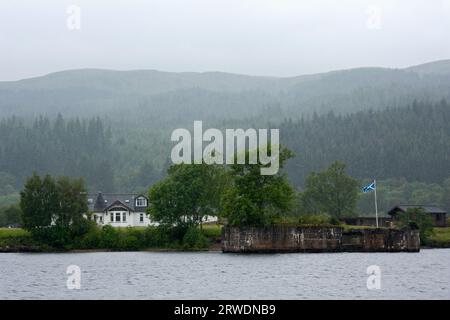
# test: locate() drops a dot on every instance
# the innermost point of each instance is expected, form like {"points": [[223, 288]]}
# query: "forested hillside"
{"points": [[75, 148], [412, 142], [389, 124]]}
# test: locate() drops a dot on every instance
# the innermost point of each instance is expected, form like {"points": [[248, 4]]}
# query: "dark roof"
{"points": [[426, 208], [118, 203], [101, 201]]}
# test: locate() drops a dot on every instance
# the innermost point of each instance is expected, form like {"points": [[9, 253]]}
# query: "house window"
{"points": [[141, 202], [141, 218], [112, 217], [101, 219], [124, 217], [117, 216]]}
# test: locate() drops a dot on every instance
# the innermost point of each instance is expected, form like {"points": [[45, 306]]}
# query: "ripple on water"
{"points": [[203, 275]]}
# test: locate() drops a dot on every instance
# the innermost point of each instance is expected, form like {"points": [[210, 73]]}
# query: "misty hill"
{"points": [[178, 98], [434, 68]]}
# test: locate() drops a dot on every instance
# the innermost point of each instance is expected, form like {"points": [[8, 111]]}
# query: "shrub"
{"points": [[334, 221], [194, 239], [212, 231], [90, 240], [109, 237], [157, 237], [54, 236], [314, 219], [417, 218], [128, 241]]}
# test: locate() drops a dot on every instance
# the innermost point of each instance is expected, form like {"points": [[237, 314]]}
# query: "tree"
{"points": [[53, 210], [38, 202], [187, 194], [331, 192], [417, 218], [10, 215], [254, 199], [72, 198]]}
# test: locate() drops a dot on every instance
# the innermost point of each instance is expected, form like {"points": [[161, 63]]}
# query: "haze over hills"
{"points": [[168, 95], [390, 123]]}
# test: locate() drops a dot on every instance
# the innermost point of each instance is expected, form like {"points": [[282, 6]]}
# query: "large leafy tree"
{"points": [[188, 194], [39, 202], [53, 210], [10, 215], [254, 199], [72, 203], [331, 192]]}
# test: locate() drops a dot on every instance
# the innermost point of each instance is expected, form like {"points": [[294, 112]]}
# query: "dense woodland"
{"points": [[406, 149], [411, 143]]}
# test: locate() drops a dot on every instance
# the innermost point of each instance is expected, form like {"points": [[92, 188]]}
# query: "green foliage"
{"points": [[194, 238], [58, 147], [13, 232], [187, 194], [334, 221], [55, 236], [18, 239], [417, 218], [132, 239], [412, 142], [90, 240], [387, 144], [159, 237], [440, 237], [10, 215], [109, 237], [212, 231], [38, 202], [315, 219], [53, 210], [330, 192], [254, 199]]}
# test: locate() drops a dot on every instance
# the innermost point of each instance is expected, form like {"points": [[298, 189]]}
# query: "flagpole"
{"points": [[376, 205]]}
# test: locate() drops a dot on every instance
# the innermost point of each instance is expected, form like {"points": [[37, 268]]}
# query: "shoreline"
{"points": [[168, 250]]}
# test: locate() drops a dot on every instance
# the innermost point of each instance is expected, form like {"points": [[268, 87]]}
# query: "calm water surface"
{"points": [[209, 275]]}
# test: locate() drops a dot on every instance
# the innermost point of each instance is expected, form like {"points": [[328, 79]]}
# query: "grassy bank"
{"points": [[440, 238], [119, 239], [19, 240], [151, 238]]}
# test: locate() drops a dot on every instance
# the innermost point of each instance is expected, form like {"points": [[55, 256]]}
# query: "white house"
{"points": [[123, 210], [119, 210]]}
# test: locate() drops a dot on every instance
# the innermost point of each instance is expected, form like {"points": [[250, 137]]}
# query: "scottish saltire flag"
{"points": [[369, 187]]}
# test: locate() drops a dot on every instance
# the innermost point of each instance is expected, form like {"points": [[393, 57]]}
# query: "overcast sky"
{"points": [[258, 37]]}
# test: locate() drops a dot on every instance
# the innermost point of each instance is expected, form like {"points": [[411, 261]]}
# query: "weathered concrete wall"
{"points": [[380, 240], [317, 239], [281, 239]]}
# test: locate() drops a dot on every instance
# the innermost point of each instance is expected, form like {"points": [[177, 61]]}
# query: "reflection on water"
{"points": [[149, 275]]}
